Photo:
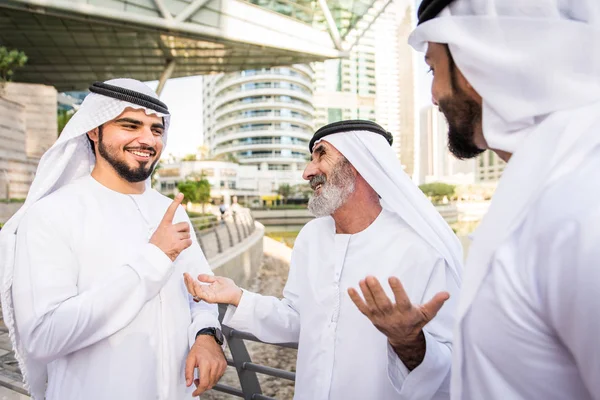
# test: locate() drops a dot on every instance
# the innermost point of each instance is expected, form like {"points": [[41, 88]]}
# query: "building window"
{"points": [[280, 167], [334, 114]]}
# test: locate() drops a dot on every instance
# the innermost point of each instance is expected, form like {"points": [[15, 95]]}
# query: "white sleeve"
{"points": [[431, 379], [53, 317], [268, 318], [203, 315], [568, 259]]}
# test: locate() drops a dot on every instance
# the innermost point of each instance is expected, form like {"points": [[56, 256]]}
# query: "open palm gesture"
{"points": [[213, 289], [401, 321]]}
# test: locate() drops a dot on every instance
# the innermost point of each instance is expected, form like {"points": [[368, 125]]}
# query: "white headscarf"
{"points": [[536, 64], [373, 158], [70, 158]]}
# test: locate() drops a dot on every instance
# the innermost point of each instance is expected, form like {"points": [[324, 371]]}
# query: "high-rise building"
{"points": [[406, 94], [376, 81], [489, 167], [260, 117], [437, 163], [388, 72], [346, 88]]}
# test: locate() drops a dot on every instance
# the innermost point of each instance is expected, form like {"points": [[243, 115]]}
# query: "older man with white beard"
{"points": [[372, 222]]}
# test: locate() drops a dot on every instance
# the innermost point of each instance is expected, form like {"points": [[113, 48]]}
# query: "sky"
{"points": [[183, 96]]}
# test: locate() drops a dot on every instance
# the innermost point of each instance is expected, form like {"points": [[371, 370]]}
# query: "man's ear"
{"points": [[93, 135]]}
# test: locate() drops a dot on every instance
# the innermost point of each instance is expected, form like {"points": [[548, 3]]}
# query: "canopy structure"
{"points": [[71, 43]]}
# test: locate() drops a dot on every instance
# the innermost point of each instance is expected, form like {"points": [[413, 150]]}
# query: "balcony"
{"points": [[229, 81], [265, 82], [299, 70], [243, 134], [261, 145], [265, 119], [274, 158], [219, 101], [252, 113], [290, 104]]}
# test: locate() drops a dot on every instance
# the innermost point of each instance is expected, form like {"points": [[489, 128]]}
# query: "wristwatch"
{"points": [[214, 332]]}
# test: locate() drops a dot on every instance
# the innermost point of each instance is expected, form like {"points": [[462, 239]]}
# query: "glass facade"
{"points": [[346, 13]]}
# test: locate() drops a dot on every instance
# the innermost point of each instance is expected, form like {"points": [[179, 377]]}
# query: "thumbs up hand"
{"points": [[171, 238]]}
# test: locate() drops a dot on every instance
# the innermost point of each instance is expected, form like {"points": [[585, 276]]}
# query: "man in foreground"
{"points": [[523, 79], [373, 221], [93, 263]]}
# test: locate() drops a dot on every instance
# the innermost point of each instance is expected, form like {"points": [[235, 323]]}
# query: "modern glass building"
{"points": [[260, 117], [375, 82]]}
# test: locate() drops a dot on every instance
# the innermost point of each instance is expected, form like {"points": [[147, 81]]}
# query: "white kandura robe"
{"points": [[533, 328], [107, 311], [341, 355]]}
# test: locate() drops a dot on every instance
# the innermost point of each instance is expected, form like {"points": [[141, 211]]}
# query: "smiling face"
{"points": [[331, 177], [458, 101], [131, 144]]}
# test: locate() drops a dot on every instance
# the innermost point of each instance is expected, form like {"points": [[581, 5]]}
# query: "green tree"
{"points": [[62, 117], [284, 191], [10, 60], [189, 157], [203, 192], [189, 190], [196, 188], [436, 191]]}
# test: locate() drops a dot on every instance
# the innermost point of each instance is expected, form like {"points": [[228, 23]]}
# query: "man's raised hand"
{"points": [[171, 238], [402, 322]]}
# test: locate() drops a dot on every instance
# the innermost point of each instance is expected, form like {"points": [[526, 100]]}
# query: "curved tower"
{"points": [[260, 117]]}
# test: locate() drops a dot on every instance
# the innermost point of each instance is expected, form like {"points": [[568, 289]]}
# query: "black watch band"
{"points": [[214, 332]]}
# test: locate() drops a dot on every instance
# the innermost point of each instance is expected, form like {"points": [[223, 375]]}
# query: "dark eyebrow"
{"points": [[129, 121], [138, 123]]}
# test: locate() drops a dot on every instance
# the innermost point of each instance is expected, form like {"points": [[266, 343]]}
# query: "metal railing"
{"points": [[245, 368], [10, 375], [240, 360], [217, 235]]}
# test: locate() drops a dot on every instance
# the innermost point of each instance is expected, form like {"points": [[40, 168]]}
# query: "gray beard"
{"points": [[333, 193]]}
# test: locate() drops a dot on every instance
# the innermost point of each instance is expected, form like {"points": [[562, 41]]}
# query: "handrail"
{"points": [[227, 231], [245, 368]]}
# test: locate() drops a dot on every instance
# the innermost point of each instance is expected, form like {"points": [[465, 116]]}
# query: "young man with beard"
{"points": [[522, 78], [373, 223], [92, 291]]}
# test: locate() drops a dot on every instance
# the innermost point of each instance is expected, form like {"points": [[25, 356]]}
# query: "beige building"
{"points": [[406, 94], [28, 127], [489, 167], [437, 164]]}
